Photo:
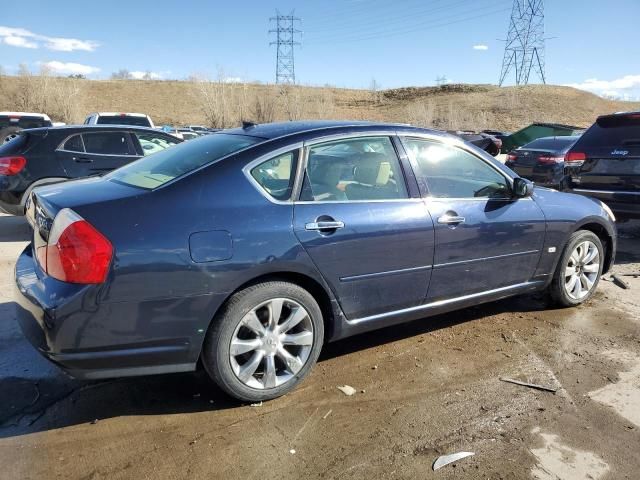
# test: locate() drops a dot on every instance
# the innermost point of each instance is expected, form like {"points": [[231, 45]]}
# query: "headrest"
{"points": [[325, 170], [372, 169]]}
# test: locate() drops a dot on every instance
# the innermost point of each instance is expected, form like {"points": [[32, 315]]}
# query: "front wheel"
{"points": [[265, 341], [579, 269]]}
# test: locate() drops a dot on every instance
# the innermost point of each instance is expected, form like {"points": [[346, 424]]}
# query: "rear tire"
{"points": [[9, 133], [264, 341], [579, 270]]}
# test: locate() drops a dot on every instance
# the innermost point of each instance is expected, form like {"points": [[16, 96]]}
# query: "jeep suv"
{"points": [[605, 163], [11, 123]]}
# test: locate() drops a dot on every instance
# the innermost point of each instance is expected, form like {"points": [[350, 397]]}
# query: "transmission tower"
{"points": [[524, 48], [285, 40]]}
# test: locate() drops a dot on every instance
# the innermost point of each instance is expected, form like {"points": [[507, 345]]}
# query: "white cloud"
{"points": [[139, 75], [626, 87], [15, 41], [481, 47], [70, 68], [20, 37]]}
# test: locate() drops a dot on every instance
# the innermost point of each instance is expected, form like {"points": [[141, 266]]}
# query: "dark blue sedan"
{"points": [[248, 249]]}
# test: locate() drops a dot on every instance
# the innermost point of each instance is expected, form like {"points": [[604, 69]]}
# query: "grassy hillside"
{"points": [[220, 104]]}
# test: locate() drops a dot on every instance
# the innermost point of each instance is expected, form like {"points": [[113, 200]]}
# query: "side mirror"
{"points": [[522, 188]]}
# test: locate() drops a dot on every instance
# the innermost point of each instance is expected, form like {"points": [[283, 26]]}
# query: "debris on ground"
{"points": [[327, 414], [447, 459], [347, 390], [259, 404], [292, 451], [530, 385], [618, 280]]}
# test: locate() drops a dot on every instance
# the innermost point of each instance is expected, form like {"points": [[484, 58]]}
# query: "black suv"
{"points": [[48, 155], [605, 163]]}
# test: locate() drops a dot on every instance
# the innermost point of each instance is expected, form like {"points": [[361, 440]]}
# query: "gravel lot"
{"points": [[424, 389]]}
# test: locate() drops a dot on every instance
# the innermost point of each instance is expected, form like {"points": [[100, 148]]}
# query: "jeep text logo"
{"points": [[620, 152]]}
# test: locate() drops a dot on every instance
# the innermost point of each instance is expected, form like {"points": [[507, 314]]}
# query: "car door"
{"points": [[101, 151], [372, 243], [485, 238]]}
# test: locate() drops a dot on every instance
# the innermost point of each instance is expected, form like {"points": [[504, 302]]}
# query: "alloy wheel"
{"points": [[582, 270], [271, 344]]}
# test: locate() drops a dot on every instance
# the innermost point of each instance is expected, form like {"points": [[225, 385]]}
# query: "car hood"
{"points": [[561, 206]]}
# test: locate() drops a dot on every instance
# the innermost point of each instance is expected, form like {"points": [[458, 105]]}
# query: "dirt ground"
{"points": [[425, 389]]}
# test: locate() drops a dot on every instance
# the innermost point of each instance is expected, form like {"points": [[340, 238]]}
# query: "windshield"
{"points": [[162, 167]]}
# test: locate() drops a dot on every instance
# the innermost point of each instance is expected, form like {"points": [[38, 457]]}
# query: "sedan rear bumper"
{"points": [[49, 327]]}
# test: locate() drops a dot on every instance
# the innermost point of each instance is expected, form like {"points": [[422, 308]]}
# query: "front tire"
{"points": [[579, 269], [264, 342]]}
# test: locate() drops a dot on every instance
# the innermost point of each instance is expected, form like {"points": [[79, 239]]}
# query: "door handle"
{"points": [[81, 159], [324, 225], [450, 218]]}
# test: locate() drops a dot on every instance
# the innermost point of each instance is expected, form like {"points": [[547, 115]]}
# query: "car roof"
{"points": [[93, 128], [25, 114], [269, 131], [117, 114]]}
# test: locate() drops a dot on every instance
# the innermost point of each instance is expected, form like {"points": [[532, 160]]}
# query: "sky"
{"points": [[345, 43]]}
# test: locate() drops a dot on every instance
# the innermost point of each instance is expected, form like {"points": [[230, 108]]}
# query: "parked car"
{"points": [[542, 161], [11, 123], [537, 130], [188, 134], [50, 155], [605, 163], [484, 141], [499, 134], [114, 118], [198, 128], [246, 250]]}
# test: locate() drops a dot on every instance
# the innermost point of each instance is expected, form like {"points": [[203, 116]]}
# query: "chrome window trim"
{"points": [[61, 145], [459, 144], [60, 149], [270, 156], [390, 200]]}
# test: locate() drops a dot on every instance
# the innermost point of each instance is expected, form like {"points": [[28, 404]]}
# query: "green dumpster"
{"points": [[537, 130]]}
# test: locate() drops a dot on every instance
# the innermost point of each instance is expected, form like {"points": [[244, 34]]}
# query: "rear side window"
{"points": [[357, 169], [156, 170], [123, 120], [74, 144], [152, 143], [615, 131], [276, 176], [108, 143]]}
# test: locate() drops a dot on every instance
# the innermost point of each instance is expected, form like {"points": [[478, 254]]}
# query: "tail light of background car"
{"points": [[75, 252], [574, 159], [512, 157], [12, 165]]}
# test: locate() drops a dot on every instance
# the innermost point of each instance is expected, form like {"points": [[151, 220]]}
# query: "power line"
{"points": [[524, 47], [398, 32], [403, 25], [285, 41]]}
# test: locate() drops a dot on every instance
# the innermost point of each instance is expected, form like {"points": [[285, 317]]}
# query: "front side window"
{"points": [[451, 172], [156, 170], [152, 143], [354, 169], [276, 176], [108, 143]]}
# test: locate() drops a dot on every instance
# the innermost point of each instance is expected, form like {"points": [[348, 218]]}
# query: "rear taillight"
{"points": [[12, 165], [574, 159], [549, 160], [512, 157], [76, 252]]}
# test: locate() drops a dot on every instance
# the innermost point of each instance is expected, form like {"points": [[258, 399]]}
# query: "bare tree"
{"points": [[264, 106], [122, 74]]}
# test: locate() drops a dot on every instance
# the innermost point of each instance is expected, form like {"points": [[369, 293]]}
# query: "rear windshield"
{"points": [[613, 131], [162, 167], [123, 120], [551, 143], [23, 122]]}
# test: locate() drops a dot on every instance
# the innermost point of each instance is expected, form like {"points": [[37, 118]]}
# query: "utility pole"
{"points": [[524, 47], [285, 41]]}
